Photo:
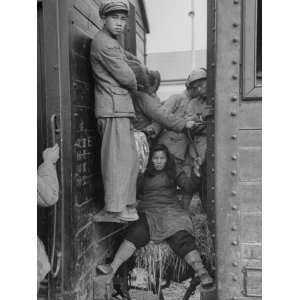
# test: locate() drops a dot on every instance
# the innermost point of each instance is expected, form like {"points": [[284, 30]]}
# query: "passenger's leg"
{"points": [[130, 213], [119, 165], [124, 252], [183, 244], [137, 236]]}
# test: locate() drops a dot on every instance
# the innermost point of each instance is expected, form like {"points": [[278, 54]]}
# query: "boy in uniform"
{"points": [[114, 110], [189, 149]]}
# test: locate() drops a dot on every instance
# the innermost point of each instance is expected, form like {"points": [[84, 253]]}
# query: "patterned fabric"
{"points": [[143, 150]]}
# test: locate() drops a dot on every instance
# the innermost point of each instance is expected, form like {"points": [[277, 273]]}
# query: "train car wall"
{"points": [[234, 160], [68, 28]]}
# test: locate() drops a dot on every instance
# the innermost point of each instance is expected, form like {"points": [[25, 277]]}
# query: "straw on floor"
{"points": [[159, 259]]}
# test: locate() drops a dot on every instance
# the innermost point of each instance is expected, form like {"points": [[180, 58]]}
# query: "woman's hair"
{"points": [[154, 80], [170, 167], [141, 75]]}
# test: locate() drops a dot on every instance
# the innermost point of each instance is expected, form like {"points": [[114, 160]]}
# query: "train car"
{"points": [[75, 241]]}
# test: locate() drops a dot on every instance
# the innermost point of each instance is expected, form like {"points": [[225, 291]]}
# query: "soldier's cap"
{"points": [[108, 6], [196, 75]]}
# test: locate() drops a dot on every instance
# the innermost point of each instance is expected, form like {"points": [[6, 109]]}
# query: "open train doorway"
{"points": [[231, 189]]}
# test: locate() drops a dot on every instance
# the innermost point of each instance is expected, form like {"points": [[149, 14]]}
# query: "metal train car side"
{"points": [[234, 156], [65, 114]]}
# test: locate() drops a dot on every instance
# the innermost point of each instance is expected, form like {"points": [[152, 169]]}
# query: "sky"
{"points": [[170, 25]]}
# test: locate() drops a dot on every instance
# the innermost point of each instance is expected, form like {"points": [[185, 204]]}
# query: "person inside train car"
{"points": [[148, 110], [47, 195], [148, 107], [188, 148], [114, 80], [162, 217]]}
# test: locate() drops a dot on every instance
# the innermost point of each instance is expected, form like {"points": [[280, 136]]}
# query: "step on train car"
{"points": [[76, 242]]}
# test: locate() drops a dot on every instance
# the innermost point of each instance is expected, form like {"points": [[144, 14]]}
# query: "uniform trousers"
{"points": [[119, 162]]}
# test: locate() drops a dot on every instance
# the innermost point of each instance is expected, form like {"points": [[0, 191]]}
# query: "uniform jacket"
{"points": [[184, 107], [148, 109], [114, 79]]}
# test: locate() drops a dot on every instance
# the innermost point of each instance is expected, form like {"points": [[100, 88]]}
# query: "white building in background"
{"points": [[174, 68]]}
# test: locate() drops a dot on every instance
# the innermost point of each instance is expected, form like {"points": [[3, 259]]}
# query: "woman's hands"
{"points": [[190, 124]]}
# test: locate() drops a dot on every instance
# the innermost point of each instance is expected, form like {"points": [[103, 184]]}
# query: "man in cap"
{"points": [[189, 148], [114, 81]]}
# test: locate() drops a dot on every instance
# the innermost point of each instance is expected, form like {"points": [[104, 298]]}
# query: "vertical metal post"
{"points": [[227, 174], [192, 15]]}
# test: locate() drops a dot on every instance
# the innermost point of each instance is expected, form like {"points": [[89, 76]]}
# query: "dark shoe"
{"points": [[194, 260]]}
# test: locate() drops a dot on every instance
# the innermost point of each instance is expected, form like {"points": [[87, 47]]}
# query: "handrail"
{"points": [[55, 272]]}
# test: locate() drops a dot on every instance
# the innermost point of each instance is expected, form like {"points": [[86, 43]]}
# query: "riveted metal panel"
{"points": [[252, 281], [250, 138], [250, 228], [250, 164], [250, 115], [208, 193], [227, 96], [237, 163], [250, 197], [251, 251]]}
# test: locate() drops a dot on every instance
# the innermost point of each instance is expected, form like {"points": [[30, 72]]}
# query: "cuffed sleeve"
{"points": [[132, 58], [170, 105], [153, 110]]}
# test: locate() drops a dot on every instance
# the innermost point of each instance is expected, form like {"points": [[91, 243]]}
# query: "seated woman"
{"points": [[161, 216]]}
